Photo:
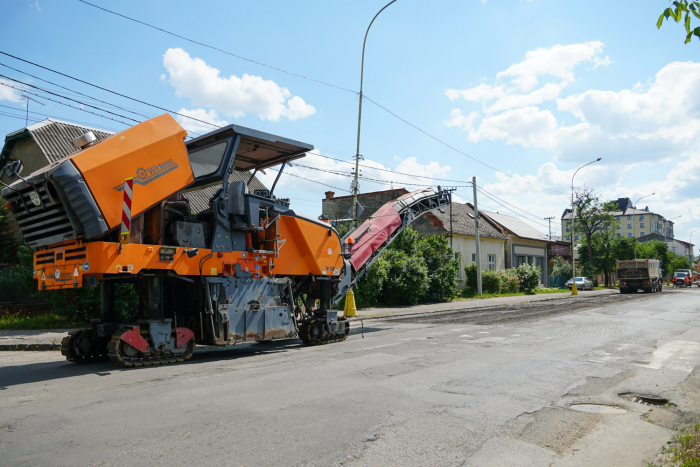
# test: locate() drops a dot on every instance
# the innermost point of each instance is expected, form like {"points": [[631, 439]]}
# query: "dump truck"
{"points": [[247, 269], [644, 274]]}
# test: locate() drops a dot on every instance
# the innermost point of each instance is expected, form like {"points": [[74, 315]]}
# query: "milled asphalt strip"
{"points": [[488, 310], [505, 308]]}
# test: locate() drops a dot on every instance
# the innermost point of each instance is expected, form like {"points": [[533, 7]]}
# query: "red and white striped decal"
{"points": [[126, 211]]}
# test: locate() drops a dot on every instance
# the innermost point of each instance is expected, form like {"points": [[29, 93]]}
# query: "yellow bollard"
{"points": [[574, 290], [350, 308]]}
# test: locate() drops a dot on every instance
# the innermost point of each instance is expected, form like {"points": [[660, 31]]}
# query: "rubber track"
{"points": [[305, 332], [121, 360], [67, 349]]}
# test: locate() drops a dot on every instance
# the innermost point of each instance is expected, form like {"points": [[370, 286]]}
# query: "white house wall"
{"points": [[466, 246]]}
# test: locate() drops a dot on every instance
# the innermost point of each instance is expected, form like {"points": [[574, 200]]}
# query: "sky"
{"points": [[518, 93]]}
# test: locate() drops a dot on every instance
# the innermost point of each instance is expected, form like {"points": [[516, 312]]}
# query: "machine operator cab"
{"points": [[213, 159]]}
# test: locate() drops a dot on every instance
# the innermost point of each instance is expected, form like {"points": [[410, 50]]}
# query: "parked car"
{"points": [[681, 279], [582, 283]]}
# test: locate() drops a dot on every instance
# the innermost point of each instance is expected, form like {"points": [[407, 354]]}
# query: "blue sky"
{"points": [[534, 88]]}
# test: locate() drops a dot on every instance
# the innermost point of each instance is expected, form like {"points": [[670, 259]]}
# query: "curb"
{"points": [[466, 309], [31, 347]]}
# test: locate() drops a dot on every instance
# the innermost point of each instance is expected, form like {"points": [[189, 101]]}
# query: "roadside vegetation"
{"points": [[600, 247], [683, 450], [47, 321]]}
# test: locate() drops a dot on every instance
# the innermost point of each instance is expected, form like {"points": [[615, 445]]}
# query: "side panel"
{"points": [[307, 248], [153, 152], [68, 264]]}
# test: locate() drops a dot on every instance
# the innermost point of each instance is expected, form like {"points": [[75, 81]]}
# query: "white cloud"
{"points": [[196, 126], [457, 119], [556, 64], [9, 94], [202, 84], [528, 126], [482, 92], [35, 5], [557, 61]]}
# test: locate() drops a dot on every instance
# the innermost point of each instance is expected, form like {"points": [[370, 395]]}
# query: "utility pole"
{"points": [[478, 242], [550, 226], [451, 232]]}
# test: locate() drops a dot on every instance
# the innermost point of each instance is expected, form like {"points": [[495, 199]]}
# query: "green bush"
{"points": [[442, 268], [561, 268], [415, 268], [407, 280], [16, 284], [528, 277], [509, 281], [491, 282], [470, 277], [369, 287]]}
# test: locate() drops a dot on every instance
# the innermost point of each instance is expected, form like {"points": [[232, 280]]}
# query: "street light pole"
{"points": [[646, 196], [359, 120], [690, 246], [573, 224]]}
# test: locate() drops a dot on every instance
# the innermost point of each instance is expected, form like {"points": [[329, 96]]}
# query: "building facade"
{"points": [[525, 244], [492, 239], [629, 222]]}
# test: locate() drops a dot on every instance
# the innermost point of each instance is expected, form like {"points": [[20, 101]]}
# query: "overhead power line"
{"points": [[457, 150], [110, 91], [63, 103], [65, 97], [76, 92], [310, 79], [218, 49]]}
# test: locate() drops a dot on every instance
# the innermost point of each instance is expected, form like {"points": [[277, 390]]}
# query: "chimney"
{"points": [[330, 194]]}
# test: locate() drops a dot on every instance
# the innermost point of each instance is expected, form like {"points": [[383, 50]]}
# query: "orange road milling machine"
{"points": [[247, 269]]}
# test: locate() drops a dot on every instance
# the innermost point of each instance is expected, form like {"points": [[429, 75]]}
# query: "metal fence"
{"points": [[558, 281]]}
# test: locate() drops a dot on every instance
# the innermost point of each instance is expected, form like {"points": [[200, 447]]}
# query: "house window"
{"points": [[629, 218], [641, 216], [576, 237], [492, 262], [521, 260], [618, 226], [629, 235], [473, 257], [568, 237], [460, 268], [641, 234], [568, 229], [618, 235], [629, 226], [618, 218], [641, 225]]}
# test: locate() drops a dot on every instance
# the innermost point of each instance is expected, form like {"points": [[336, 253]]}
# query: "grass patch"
{"points": [[470, 296], [683, 450], [47, 321]]}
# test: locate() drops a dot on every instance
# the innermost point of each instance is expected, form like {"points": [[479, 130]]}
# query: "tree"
{"points": [[592, 215], [561, 268], [8, 244], [682, 9]]}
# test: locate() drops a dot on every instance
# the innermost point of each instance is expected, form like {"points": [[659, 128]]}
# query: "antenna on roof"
{"points": [[27, 98]]}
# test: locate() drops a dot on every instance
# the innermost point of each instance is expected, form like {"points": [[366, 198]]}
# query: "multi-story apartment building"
{"points": [[629, 222]]}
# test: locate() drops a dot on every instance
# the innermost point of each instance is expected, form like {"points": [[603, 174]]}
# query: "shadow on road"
{"points": [[48, 371]]}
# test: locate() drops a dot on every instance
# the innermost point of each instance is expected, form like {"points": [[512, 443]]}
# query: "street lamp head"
{"points": [[598, 159]]}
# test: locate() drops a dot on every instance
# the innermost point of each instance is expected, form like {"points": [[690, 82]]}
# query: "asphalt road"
{"points": [[488, 387]]}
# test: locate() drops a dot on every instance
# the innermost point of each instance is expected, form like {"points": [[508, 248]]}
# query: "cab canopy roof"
{"points": [[210, 154]]}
